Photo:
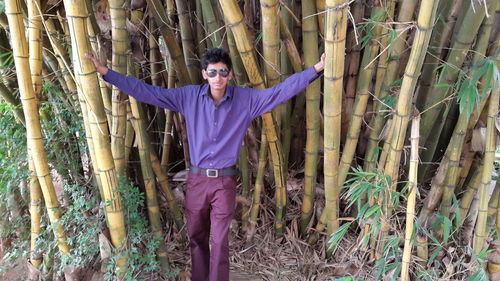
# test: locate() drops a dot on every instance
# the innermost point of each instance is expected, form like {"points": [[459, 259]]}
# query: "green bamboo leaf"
{"points": [[346, 278], [372, 210], [479, 275], [446, 229], [434, 254], [380, 265], [337, 236]]}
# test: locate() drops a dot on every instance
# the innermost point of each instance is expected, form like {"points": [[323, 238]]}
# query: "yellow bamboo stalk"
{"points": [[33, 128], [35, 45], [470, 191], [313, 95], [234, 18], [259, 187], [399, 45], [61, 56], [36, 198], [425, 21], [105, 92], [35, 62], [149, 182], [120, 47], [270, 46], [367, 69], [162, 178], [336, 23], [412, 196], [480, 233], [88, 83]]}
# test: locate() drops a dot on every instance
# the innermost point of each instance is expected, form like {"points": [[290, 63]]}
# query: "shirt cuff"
{"points": [[311, 74], [111, 77]]}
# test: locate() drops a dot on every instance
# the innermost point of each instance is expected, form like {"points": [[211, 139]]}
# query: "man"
{"points": [[217, 117]]}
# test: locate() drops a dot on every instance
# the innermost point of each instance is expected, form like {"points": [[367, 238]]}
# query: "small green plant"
{"points": [[142, 243]]}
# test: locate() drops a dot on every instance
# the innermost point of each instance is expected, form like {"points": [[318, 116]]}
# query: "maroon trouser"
{"points": [[210, 204]]}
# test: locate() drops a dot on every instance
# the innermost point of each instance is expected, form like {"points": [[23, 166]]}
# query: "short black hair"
{"points": [[216, 55]]}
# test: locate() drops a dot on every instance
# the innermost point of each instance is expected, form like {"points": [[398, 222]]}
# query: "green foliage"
{"points": [[6, 58], [142, 243], [13, 175], [468, 92], [83, 222], [368, 27]]}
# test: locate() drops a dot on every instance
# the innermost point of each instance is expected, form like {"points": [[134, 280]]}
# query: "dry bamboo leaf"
{"points": [[180, 176], [478, 142], [385, 130], [33, 272], [105, 250], [72, 273]]}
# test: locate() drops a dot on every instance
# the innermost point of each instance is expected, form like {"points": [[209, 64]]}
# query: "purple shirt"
{"points": [[215, 132]]}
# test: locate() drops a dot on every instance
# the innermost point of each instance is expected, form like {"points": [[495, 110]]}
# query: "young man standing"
{"points": [[217, 117]]}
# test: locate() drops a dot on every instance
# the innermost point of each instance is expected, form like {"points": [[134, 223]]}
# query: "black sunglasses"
{"points": [[213, 72]]}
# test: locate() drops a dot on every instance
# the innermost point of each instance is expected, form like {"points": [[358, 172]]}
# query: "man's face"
{"points": [[215, 73]]}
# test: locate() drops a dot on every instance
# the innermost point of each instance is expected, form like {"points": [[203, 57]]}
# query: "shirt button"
{"points": [[211, 164], [215, 139]]}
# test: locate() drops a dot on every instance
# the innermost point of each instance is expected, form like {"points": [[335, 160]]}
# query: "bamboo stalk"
{"points": [[259, 187], [245, 186], [162, 178], [351, 67], [362, 94], [447, 13], [90, 92], [448, 75], [33, 128], [457, 140], [211, 24], [336, 29], [36, 198], [188, 41], [470, 191], [149, 182], [313, 95], [161, 19], [234, 18], [35, 63], [412, 196], [400, 121], [120, 48], [480, 233]]}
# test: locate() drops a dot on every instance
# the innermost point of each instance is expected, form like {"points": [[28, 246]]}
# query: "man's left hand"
{"points": [[320, 65]]}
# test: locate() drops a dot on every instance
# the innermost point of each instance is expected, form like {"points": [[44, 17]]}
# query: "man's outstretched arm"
{"points": [[172, 99], [266, 99]]}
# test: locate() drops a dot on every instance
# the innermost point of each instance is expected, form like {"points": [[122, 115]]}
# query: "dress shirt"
{"points": [[215, 132]]}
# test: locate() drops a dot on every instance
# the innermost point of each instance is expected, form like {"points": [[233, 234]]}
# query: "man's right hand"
{"points": [[103, 70]]}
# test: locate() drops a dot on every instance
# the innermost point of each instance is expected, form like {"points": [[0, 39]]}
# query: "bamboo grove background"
{"points": [[394, 146]]}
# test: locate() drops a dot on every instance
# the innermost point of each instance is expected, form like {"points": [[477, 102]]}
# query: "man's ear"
{"points": [[204, 74]]}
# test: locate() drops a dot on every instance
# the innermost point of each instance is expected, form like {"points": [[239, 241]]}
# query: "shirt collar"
{"points": [[227, 96]]}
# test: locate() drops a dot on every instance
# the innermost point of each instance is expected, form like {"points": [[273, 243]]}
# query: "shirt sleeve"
{"points": [[172, 99], [263, 100]]}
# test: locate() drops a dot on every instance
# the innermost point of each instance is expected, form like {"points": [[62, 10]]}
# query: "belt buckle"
{"points": [[212, 173]]}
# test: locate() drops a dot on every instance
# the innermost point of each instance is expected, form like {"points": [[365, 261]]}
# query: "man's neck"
{"points": [[217, 95]]}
